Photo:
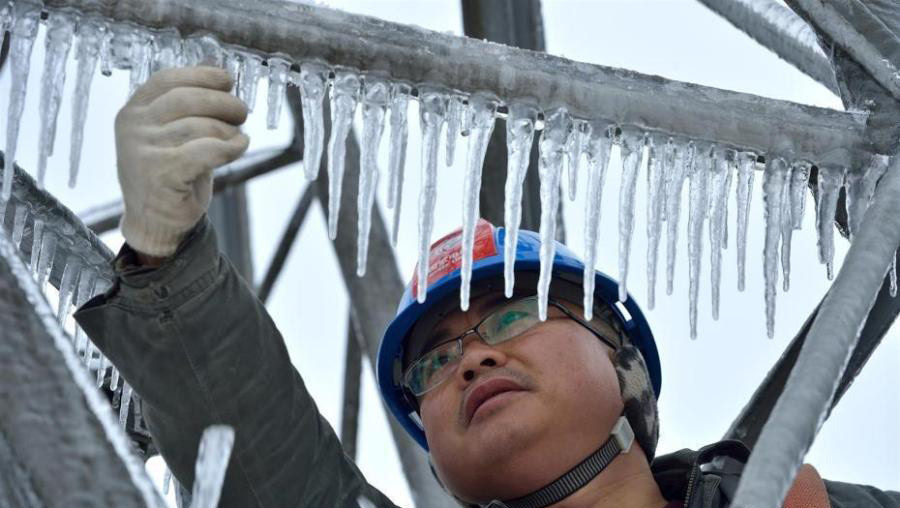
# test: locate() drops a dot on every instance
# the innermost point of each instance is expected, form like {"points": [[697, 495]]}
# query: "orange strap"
{"points": [[808, 490]]}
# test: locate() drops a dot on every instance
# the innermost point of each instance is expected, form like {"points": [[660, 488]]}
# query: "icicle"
{"points": [[480, 119], [519, 138], [101, 371], [6, 16], [125, 405], [60, 30], [167, 480], [581, 136], [400, 93], [728, 181], [45, 261], [88, 357], [376, 96], [212, 461], [799, 182], [432, 113], [19, 224], [91, 32], [699, 205], [658, 165], [22, 34], [773, 192], [37, 233], [233, 63], [313, 79], [167, 51], [744, 191], [67, 288], [682, 163], [344, 96], [893, 277], [251, 68], [106, 50], [553, 144], [454, 120], [831, 179], [206, 50], [787, 229], [632, 144], [141, 50], [114, 380], [720, 164], [278, 70], [86, 284], [861, 188], [597, 152]]}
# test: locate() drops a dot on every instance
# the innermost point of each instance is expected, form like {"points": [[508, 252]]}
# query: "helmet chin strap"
{"points": [[619, 441]]}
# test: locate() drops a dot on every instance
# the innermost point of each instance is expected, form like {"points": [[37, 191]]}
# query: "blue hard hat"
{"points": [[444, 281]]}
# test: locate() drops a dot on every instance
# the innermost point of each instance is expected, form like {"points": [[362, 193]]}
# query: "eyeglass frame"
{"points": [[474, 329]]}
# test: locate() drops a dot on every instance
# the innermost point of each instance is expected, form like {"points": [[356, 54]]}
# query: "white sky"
{"points": [[705, 382]]}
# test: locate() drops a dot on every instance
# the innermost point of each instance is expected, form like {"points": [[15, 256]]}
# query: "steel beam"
{"points": [[822, 361], [352, 378], [782, 31], [285, 244], [54, 421], [307, 32]]}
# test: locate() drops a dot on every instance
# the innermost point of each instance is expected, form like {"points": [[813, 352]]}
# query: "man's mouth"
{"points": [[486, 390]]}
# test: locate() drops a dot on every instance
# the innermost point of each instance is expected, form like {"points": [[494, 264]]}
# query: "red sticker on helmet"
{"points": [[446, 253]]}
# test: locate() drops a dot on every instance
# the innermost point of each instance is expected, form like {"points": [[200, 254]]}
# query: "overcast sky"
{"points": [[705, 382]]}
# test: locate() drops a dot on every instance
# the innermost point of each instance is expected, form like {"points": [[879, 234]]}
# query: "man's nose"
{"points": [[478, 357]]}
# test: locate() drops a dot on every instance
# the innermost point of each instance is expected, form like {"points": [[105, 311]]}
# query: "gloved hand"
{"points": [[171, 134]]}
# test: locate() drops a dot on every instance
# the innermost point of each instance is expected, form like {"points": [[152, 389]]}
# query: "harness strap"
{"points": [[619, 441]]}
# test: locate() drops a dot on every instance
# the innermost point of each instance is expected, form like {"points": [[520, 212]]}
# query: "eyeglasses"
{"points": [[507, 322]]}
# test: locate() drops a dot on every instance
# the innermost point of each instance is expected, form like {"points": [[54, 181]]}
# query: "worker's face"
{"points": [[566, 401]]}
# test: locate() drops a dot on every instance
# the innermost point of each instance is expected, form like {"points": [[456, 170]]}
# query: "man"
{"points": [[514, 411]]}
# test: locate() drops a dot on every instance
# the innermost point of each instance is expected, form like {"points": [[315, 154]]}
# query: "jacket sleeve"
{"points": [[848, 495], [200, 349]]}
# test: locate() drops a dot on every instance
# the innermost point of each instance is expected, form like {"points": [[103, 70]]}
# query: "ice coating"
{"points": [[432, 112], [861, 188], [251, 69], [141, 50], [212, 461], [376, 96], [90, 36], [632, 144], [746, 166], [787, 228], [597, 152], [22, 33], [581, 136], [553, 146], [19, 217], [699, 205], [799, 182], [125, 405], [67, 287], [206, 50], [774, 179], [455, 111], [60, 30], [659, 164], [519, 137], [37, 233], [278, 72], [674, 180], [313, 79], [400, 93], [830, 181], [480, 119], [721, 165], [167, 51], [344, 96]]}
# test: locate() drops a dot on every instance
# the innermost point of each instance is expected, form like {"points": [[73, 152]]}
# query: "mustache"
{"points": [[524, 380]]}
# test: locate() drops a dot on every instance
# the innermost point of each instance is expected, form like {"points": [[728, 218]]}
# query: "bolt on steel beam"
{"points": [[308, 32]]}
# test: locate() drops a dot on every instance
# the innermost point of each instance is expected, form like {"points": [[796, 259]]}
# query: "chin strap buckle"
{"points": [[623, 435]]}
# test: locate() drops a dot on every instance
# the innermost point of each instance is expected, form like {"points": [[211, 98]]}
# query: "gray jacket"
{"points": [[196, 344]]}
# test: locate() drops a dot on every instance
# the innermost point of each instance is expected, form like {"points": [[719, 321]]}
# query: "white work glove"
{"points": [[171, 134]]}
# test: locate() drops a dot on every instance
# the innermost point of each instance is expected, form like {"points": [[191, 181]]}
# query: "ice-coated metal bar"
{"points": [[40, 375], [833, 335], [308, 32], [780, 30], [856, 26]]}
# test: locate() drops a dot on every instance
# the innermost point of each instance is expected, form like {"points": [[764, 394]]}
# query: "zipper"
{"points": [[690, 488]]}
